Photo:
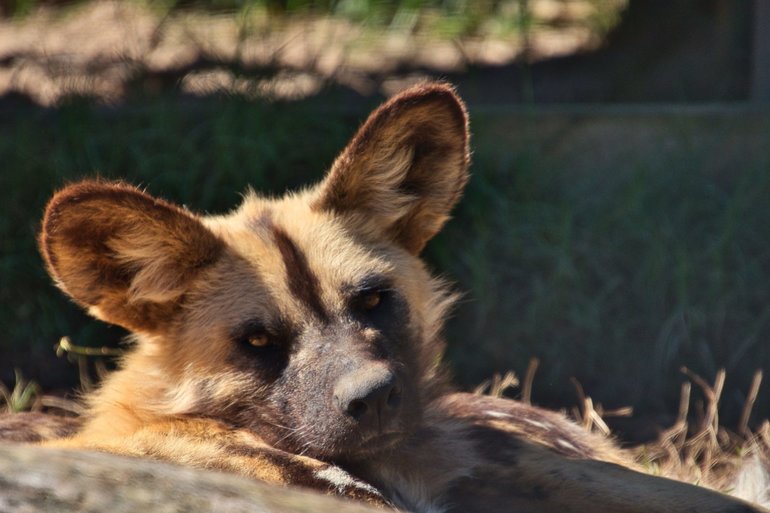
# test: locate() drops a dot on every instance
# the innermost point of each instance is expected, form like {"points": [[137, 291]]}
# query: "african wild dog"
{"points": [[297, 340]]}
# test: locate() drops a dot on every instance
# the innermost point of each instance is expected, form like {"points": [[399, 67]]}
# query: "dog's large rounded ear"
{"points": [[125, 256], [404, 170]]}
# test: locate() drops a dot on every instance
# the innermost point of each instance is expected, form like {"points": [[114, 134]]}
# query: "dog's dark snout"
{"points": [[370, 395]]}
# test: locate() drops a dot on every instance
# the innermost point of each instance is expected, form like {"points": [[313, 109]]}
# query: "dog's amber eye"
{"points": [[371, 300], [258, 340], [254, 334]]}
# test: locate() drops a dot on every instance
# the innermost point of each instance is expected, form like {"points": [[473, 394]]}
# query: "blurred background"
{"points": [[617, 225]]}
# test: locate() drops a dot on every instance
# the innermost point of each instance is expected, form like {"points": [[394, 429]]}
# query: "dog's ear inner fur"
{"points": [[124, 255], [405, 168]]}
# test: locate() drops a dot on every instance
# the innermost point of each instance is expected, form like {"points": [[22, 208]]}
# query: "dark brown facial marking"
{"points": [[262, 224], [302, 282]]}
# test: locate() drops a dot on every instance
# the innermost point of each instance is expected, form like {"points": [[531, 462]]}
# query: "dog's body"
{"points": [[297, 340]]}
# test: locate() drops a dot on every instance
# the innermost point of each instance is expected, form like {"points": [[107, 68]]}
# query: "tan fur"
{"points": [[36, 427], [251, 327]]}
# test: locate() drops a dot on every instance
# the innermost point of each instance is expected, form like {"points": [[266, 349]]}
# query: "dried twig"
{"points": [[81, 354], [712, 395], [623, 411], [684, 403], [497, 386], [583, 417], [748, 405], [674, 438], [578, 389], [588, 417], [596, 419], [65, 345], [529, 377], [704, 445], [588, 410]]}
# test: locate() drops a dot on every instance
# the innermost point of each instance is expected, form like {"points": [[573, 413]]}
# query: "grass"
{"points": [[20, 397], [615, 277], [437, 18]]}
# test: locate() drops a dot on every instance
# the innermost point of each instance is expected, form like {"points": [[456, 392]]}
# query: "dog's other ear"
{"points": [[125, 256], [404, 170]]}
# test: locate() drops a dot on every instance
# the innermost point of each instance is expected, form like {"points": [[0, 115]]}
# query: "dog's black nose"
{"points": [[370, 395]]}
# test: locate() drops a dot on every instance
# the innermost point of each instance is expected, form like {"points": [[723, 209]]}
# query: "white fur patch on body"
{"points": [[497, 414], [341, 480], [538, 424], [567, 445]]}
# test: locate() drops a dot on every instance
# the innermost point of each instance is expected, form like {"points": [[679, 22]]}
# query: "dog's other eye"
{"points": [[371, 295], [258, 339], [254, 334], [370, 299]]}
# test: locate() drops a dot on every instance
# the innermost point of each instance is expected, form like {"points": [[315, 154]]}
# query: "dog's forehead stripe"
{"points": [[303, 283], [261, 224]]}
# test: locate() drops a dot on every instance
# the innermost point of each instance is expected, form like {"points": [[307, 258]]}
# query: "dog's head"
{"points": [[310, 318]]}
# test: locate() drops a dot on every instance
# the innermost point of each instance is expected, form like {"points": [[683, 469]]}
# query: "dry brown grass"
{"points": [[695, 449]]}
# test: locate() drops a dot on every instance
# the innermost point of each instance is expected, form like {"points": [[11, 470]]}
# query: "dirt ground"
{"points": [[109, 49]]}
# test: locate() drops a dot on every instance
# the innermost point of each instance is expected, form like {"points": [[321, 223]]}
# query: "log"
{"points": [[36, 479]]}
